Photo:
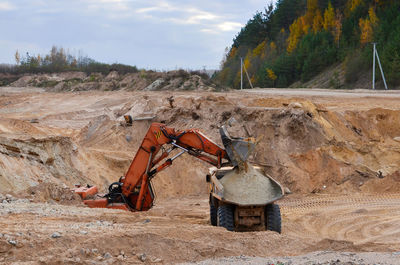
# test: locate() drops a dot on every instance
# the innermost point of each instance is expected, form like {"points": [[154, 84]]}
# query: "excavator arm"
{"points": [[134, 191]]}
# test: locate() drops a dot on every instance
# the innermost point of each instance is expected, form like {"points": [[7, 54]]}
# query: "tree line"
{"points": [[60, 60], [298, 39]]}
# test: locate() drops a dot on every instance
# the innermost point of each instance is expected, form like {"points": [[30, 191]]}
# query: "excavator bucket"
{"points": [[85, 191], [238, 149]]}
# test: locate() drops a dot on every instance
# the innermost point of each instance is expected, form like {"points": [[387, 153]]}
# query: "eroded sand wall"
{"points": [[306, 144]]}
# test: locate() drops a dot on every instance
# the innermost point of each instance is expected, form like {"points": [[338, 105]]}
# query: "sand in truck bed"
{"points": [[248, 188]]}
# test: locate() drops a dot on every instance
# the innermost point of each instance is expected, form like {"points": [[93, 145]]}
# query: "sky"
{"points": [[151, 34]]}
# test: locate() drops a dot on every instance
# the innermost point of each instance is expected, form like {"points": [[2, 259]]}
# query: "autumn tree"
{"points": [[312, 7], [329, 18], [308, 18], [271, 75], [354, 4], [367, 26], [272, 46], [232, 52], [372, 16], [338, 26], [317, 22], [260, 49], [246, 63], [296, 32], [366, 31], [312, 19]]}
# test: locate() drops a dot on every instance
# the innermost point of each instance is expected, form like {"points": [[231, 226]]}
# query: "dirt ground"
{"points": [[337, 152], [178, 230]]}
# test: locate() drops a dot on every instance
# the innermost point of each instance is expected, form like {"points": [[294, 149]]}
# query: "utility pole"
{"points": [[380, 67], [241, 73], [248, 78], [373, 67]]}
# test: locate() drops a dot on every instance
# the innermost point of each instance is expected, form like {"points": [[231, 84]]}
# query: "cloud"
{"points": [[6, 6], [223, 27], [229, 26], [188, 15], [161, 6], [110, 6], [197, 18]]}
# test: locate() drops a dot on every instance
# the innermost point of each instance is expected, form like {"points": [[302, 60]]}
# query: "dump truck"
{"points": [[241, 197]]}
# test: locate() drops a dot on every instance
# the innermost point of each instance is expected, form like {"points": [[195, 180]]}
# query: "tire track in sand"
{"points": [[360, 219]]}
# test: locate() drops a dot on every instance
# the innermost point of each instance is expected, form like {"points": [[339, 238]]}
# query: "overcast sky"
{"points": [[159, 34]]}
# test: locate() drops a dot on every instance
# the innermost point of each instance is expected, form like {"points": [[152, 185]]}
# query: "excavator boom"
{"points": [[134, 191]]}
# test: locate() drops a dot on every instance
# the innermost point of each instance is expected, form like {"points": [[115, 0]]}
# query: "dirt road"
{"points": [[304, 92], [337, 151]]}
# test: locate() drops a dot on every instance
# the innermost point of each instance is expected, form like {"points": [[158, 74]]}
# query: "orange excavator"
{"points": [[134, 191]]}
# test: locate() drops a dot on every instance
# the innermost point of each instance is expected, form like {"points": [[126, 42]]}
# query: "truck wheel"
{"points": [[225, 217], [213, 215], [273, 218]]}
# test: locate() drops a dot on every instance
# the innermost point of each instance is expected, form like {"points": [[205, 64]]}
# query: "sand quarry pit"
{"points": [[337, 152]]}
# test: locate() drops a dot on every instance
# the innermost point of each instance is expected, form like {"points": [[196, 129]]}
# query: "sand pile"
{"points": [[28, 161], [50, 192], [143, 80], [248, 187]]}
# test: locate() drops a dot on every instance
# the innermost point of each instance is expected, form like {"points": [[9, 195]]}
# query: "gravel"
{"points": [[142, 257], [314, 258], [46, 209], [55, 235], [12, 242]]}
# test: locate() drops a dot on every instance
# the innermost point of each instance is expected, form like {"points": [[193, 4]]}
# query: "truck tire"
{"points": [[273, 218], [213, 215], [225, 217]]}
